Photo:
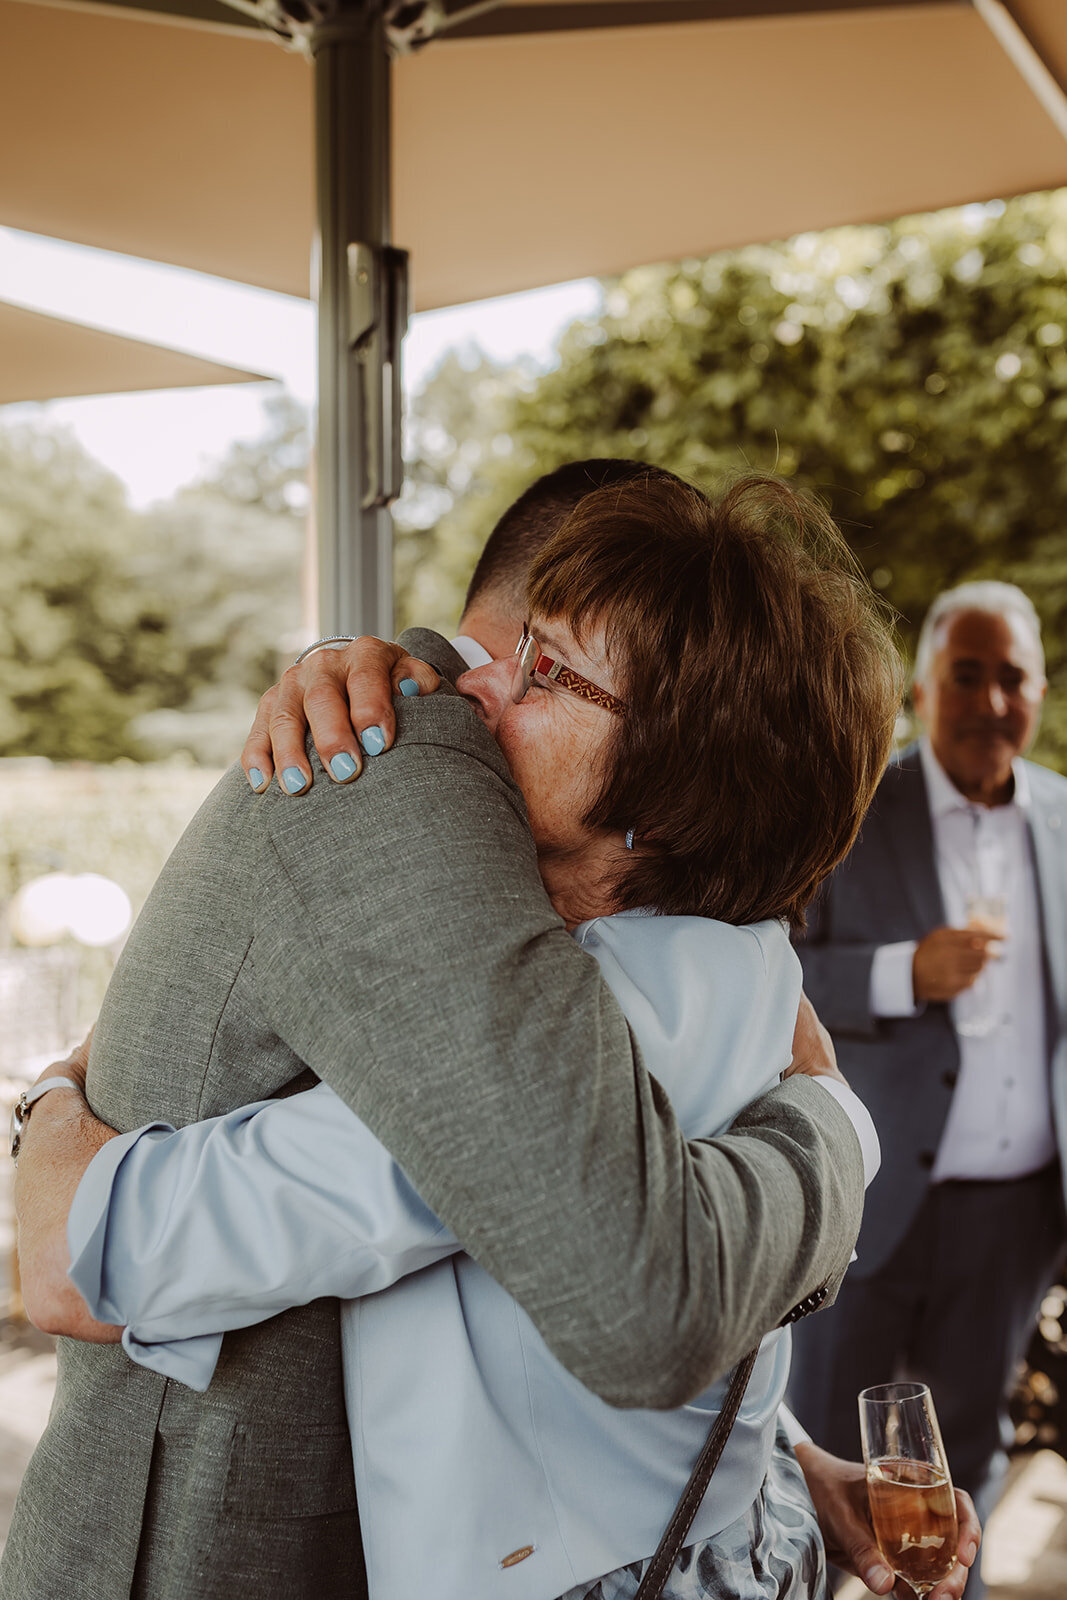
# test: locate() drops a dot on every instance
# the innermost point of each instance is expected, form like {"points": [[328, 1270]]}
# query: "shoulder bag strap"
{"points": [[670, 1546]]}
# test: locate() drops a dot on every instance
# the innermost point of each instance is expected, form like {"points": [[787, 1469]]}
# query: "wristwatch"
{"points": [[25, 1103]]}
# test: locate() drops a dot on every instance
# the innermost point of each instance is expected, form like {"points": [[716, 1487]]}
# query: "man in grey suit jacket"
{"points": [[395, 939], [955, 1038]]}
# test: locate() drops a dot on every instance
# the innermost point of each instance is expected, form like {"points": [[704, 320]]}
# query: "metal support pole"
{"points": [[1048, 90], [360, 285]]}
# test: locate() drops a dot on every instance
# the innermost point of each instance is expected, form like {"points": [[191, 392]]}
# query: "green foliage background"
{"points": [[914, 375], [126, 634]]}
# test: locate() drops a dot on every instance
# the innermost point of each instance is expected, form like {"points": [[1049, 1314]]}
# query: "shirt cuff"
{"points": [[860, 1118], [892, 993], [792, 1428], [191, 1361]]}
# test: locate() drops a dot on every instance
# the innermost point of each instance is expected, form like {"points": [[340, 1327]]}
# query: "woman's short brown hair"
{"points": [[761, 683]]}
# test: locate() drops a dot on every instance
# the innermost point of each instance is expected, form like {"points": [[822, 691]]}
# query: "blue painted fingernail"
{"points": [[343, 766], [373, 740], [408, 687], [294, 780], [255, 777]]}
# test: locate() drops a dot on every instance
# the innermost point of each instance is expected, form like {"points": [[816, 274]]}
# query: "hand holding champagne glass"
{"points": [[976, 1011], [912, 1502]]}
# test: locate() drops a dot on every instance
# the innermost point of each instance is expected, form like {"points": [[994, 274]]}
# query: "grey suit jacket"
{"points": [[905, 1069], [395, 938]]}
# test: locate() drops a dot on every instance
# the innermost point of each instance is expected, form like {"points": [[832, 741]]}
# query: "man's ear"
{"points": [[918, 700]]}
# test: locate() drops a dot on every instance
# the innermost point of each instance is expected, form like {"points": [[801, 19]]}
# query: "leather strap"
{"points": [[670, 1546]]}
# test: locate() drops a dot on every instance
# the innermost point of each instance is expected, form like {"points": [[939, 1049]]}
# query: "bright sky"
{"points": [[155, 442]]}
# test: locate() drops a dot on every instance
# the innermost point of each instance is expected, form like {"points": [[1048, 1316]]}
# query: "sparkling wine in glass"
{"points": [[976, 1010], [913, 1506]]}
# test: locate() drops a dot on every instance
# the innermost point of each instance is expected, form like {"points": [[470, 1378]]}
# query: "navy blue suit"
{"points": [[949, 1275]]}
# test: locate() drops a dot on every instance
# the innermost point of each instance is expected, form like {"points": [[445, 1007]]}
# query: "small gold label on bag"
{"points": [[518, 1555]]}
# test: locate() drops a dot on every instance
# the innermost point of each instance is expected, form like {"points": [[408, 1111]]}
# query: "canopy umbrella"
{"points": [[50, 358], [517, 142]]}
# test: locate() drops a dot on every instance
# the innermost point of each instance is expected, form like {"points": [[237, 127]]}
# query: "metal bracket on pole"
{"points": [[412, 23], [378, 301]]}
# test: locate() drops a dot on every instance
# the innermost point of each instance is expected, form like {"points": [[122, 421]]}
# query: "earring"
{"points": [[630, 832]]}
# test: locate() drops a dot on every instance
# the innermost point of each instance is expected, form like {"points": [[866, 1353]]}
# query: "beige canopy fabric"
{"points": [[525, 158], [48, 358], [529, 141]]}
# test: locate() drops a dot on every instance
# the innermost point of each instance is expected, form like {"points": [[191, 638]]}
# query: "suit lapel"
{"points": [[911, 839], [1048, 836]]}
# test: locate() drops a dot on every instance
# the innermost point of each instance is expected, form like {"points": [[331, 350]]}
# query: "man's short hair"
{"points": [[532, 519], [994, 598]]}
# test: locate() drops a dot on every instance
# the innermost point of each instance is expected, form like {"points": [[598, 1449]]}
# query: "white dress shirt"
{"points": [[473, 653], [1000, 1121]]}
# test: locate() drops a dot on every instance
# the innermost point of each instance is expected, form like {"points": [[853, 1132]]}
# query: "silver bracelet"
{"points": [[335, 640]]}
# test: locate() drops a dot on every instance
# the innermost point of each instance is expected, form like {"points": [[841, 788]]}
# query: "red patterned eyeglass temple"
{"points": [[529, 659]]}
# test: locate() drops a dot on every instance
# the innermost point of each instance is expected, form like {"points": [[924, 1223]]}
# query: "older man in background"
{"points": [[937, 957]]}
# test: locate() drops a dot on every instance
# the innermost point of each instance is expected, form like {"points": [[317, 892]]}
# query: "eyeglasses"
{"points": [[529, 660]]}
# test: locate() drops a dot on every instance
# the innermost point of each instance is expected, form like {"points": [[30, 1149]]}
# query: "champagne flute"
{"points": [[913, 1505], [976, 1011]]}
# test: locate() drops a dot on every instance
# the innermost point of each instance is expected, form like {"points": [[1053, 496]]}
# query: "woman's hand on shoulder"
{"points": [[839, 1493], [345, 697]]}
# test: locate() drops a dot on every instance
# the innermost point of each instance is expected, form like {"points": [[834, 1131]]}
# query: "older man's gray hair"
{"points": [[996, 599]]}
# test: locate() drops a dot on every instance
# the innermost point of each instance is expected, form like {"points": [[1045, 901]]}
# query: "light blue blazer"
{"points": [[484, 1470]]}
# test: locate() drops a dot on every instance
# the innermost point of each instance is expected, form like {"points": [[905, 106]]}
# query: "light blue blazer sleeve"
{"points": [[181, 1236]]}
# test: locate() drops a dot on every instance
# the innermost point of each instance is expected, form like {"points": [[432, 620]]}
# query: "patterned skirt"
{"points": [[774, 1551]]}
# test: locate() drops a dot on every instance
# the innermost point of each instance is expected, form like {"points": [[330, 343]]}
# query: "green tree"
{"points": [[135, 635], [229, 554], [458, 444], [269, 472], [914, 375], [80, 639]]}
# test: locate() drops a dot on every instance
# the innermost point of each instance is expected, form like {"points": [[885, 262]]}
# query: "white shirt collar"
{"points": [[474, 654], [945, 797]]}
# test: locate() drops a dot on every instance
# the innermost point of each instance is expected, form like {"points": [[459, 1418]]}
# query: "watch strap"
{"points": [[27, 1100], [31, 1096]]}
